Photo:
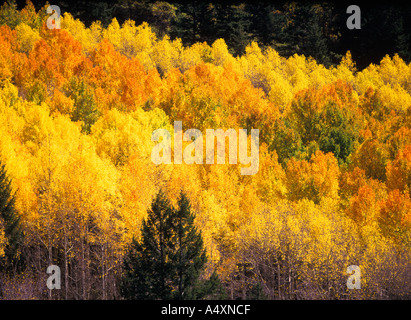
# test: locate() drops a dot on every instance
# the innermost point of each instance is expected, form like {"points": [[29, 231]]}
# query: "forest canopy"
{"points": [[313, 28], [78, 106]]}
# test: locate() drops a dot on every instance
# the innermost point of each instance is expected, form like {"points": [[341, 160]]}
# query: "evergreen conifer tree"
{"points": [[189, 255], [11, 223], [167, 261], [147, 266]]}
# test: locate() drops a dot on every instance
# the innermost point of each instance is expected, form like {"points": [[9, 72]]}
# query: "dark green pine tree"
{"points": [[12, 260], [147, 265], [299, 29], [401, 38], [166, 263], [239, 33], [189, 256], [194, 22], [315, 43], [309, 34]]}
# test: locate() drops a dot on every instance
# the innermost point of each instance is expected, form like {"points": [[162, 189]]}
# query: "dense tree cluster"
{"points": [[312, 28], [77, 110]]}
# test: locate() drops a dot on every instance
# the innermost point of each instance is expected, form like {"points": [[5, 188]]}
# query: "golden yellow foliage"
{"points": [[332, 187], [3, 239]]}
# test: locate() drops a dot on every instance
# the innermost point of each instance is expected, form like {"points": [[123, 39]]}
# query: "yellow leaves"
{"points": [[391, 73], [368, 78], [253, 53], [221, 210], [219, 53], [346, 69], [269, 181], [207, 96], [255, 67], [295, 67], [61, 103], [395, 97], [118, 135], [138, 188], [264, 228], [212, 219], [133, 42], [99, 186], [13, 151], [394, 71], [280, 93], [193, 55], [88, 182], [29, 15], [3, 239], [300, 236], [183, 178], [167, 54], [73, 185], [88, 37], [347, 62], [8, 94], [318, 224], [125, 141], [26, 37], [37, 126], [17, 158]]}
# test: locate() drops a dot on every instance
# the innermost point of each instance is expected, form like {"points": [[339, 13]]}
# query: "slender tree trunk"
{"points": [[86, 265], [243, 289], [83, 270], [50, 253], [49, 248], [180, 280], [279, 280], [65, 263], [103, 272], [162, 275]]}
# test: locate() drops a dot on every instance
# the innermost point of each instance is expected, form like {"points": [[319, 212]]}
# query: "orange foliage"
{"points": [[315, 179], [395, 213], [399, 170], [351, 181], [120, 81], [334, 146], [362, 205]]}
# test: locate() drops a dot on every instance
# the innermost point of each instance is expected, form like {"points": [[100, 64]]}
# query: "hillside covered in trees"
{"points": [[312, 28], [78, 106]]}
